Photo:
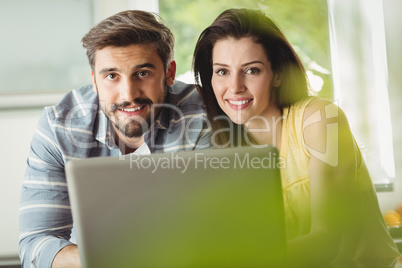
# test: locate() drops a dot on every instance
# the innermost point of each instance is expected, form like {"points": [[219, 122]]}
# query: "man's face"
{"points": [[129, 81]]}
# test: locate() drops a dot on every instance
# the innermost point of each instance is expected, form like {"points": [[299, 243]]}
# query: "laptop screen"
{"points": [[207, 208]]}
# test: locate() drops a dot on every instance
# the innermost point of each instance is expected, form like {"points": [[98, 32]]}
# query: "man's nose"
{"points": [[129, 90]]}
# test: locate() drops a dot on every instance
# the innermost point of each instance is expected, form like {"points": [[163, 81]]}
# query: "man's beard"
{"points": [[134, 128]]}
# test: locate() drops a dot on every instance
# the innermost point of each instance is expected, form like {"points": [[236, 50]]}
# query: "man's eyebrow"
{"points": [[145, 65], [108, 70], [139, 66]]}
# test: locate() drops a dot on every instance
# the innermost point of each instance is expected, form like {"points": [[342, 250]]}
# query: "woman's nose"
{"points": [[237, 85]]}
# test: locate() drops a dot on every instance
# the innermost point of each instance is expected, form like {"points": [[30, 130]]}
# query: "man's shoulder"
{"points": [[182, 121], [75, 104], [73, 119], [182, 94]]}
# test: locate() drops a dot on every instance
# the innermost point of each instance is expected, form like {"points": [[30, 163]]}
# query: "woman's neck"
{"points": [[267, 129]]}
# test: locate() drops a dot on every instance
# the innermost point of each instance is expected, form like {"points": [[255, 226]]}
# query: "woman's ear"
{"points": [[277, 81]]}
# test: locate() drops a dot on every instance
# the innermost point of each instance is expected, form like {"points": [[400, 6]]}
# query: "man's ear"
{"points": [[93, 81], [171, 73], [277, 81]]}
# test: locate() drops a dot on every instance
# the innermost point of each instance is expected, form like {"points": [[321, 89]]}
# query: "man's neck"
{"points": [[128, 145]]}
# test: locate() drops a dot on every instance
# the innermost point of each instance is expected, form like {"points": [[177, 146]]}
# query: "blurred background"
{"points": [[350, 48]]}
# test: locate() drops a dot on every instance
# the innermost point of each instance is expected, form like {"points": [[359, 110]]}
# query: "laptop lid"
{"points": [[207, 208]]}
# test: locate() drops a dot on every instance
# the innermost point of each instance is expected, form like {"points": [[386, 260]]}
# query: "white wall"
{"points": [[16, 131]]}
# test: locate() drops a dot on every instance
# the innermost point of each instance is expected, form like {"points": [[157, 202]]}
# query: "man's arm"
{"points": [[45, 215], [67, 257]]}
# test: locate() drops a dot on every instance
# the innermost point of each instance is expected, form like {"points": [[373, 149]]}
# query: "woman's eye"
{"points": [[221, 72], [253, 71]]}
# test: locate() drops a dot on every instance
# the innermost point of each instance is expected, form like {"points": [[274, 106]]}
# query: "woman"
{"points": [[250, 78]]}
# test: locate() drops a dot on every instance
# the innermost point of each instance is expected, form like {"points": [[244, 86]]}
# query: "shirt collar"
{"points": [[103, 130]]}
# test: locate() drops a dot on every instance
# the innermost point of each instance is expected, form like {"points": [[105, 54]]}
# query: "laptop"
{"points": [[206, 208]]}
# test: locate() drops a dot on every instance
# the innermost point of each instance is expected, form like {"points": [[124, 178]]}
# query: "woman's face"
{"points": [[242, 79]]}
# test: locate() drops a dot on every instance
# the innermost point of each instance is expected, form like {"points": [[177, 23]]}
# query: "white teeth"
{"points": [[132, 109], [239, 102]]}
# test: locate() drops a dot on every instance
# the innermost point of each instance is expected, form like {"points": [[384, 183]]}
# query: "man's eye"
{"points": [[143, 74], [253, 71], [111, 76]]}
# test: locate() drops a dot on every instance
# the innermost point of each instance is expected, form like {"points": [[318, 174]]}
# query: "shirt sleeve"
{"points": [[45, 219]]}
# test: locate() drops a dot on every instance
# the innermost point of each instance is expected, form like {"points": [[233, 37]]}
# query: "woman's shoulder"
{"points": [[298, 108], [314, 106], [296, 111], [310, 103], [315, 113], [322, 108]]}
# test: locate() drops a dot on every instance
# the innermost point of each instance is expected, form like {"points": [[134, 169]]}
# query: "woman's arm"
{"points": [[332, 172]]}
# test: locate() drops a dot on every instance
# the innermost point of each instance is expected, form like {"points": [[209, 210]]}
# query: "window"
{"points": [[40, 48], [360, 74], [188, 18]]}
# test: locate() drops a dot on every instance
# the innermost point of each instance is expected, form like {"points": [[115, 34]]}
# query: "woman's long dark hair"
{"points": [[240, 23]]}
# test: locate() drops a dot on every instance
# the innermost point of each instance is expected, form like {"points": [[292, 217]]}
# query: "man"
{"points": [[132, 105]]}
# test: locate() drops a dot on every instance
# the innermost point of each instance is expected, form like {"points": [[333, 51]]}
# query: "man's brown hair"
{"points": [[131, 27]]}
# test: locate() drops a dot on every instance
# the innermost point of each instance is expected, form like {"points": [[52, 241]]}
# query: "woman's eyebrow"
{"points": [[252, 62], [220, 64], [244, 64]]}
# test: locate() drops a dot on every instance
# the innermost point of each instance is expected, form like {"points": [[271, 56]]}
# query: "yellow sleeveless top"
{"points": [[371, 239]]}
